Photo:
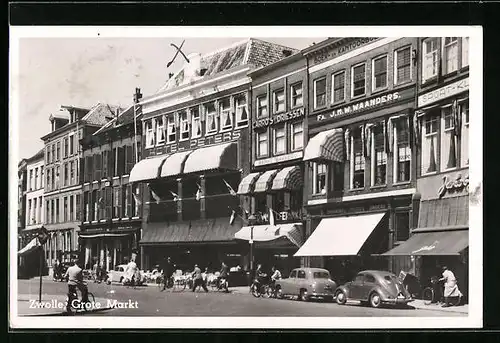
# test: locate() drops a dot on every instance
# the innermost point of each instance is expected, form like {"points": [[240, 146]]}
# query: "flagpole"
{"points": [[41, 265]]}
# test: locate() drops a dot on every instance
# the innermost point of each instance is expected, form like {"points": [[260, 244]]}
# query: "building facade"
{"points": [[34, 216], [21, 210], [111, 217], [196, 150], [442, 117], [360, 157], [63, 191], [273, 191]]}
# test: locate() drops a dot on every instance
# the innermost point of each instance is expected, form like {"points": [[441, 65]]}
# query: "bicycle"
{"points": [[160, 283], [430, 297], [259, 289], [74, 306]]}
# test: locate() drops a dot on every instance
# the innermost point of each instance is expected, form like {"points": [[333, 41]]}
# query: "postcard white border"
{"points": [[474, 318]]}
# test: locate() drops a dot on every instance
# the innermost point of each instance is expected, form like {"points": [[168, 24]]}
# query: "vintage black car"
{"points": [[374, 287]]}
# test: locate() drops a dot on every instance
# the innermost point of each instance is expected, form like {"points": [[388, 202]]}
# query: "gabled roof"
{"points": [[254, 52], [124, 118], [101, 114], [38, 156]]}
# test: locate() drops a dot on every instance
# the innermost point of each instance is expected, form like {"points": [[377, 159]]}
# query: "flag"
{"points": [[271, 217], [198, 193], [416, 129], [233, 216], [229, 188], [175, 196], [136, 198], [347, 138], [43, 235], [155, 196], [455, 118], [368, 140]]}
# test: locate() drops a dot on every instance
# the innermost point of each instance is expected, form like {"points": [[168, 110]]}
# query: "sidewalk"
{"points": [[418, 304], [52, 305]]}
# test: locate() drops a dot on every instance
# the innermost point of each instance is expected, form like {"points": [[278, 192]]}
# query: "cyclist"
{"points": [[259, 276], [224, 274], [167, 268], [75, 280]]}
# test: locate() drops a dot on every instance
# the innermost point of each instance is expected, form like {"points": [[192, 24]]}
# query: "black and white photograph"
{"points": [[245, 177]]}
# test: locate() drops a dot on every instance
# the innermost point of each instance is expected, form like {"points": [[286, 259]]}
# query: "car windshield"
{"points": [[321, 275]]}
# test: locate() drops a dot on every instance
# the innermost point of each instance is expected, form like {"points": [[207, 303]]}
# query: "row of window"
{"points": [[69, 148], [358, 79], [36, 181], [448, 53], [279, 139], [440, 142], [279, 100], [70, 211], [210, 118], [69, 176], [111, 202], [34, 215], [116, 162], [368, 147]]}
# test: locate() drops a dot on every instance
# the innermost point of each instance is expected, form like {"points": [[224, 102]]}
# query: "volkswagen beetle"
{"points": [[374, 287], [307, 283]]}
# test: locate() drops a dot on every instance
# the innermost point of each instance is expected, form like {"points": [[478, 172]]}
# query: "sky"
{"points": [[84, 71]]}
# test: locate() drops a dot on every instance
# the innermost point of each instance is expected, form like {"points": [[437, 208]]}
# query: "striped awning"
{"points": [[174, 164], [289, 178], [263, 233], [247, 184], [265, 181], [326, 145], [147, 169], [220, 156]]}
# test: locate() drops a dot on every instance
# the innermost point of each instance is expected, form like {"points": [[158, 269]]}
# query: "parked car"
{"points": [[307, 283], [119, 274], [374, 287]]}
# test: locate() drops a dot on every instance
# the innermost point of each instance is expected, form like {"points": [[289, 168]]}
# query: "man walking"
{"points": [[198, 279], [168, 269]]}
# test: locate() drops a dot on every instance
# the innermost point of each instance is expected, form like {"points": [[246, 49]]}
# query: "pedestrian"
{"points": [[167, 267], [450, 286], [198, 279]]}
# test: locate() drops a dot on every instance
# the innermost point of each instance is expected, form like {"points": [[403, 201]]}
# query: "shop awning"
{"points": [[326, 145], [195, 231], [432, 243], [445, 212], [263, 233], [289, 178], [247, 184], [220, 156], [174, 164], [30, 247], [343, 236], [265, 181], [147, 169], [99, 235]]}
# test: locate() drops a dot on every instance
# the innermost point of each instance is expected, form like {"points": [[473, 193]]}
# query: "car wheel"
{"points": [[303, 295], [375, 300], [108, 282], [121, 279], [341, 298]]}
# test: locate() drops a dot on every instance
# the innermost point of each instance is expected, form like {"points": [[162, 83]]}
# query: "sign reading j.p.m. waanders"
{"points": [[366, 105], [443, 92], [279, 118]]}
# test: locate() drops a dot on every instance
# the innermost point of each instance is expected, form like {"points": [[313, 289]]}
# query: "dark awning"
{"points": [[195, 231], [433, 243]]}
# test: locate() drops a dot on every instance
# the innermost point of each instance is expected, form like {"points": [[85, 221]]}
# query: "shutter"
{"points": [[110, 161], [77, 207], [109, 202], [121, 160], [105, 164], [130, 159], [89, 163], [114, 171], [129, 200], [98, 166]]}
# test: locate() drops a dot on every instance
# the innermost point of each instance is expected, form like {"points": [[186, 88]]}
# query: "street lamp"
{"points": [[251, 221]]}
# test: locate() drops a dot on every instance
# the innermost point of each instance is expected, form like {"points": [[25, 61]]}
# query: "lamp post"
{"points": [[251, 221]]}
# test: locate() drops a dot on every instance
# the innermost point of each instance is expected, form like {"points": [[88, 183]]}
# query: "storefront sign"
{"points": [[443, 92], [196, 143], [366, 105], [343, 49], [457, 185], [294, 114], [278, 159]]}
